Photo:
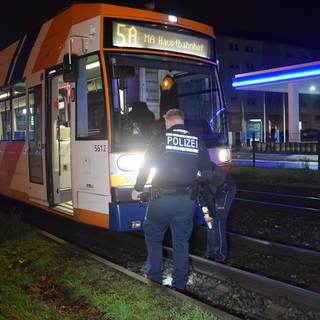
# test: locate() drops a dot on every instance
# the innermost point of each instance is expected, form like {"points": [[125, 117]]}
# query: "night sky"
{"points": [[290, 21]]}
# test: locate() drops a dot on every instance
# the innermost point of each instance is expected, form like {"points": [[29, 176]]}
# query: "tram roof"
{"points": [[306, 76]]}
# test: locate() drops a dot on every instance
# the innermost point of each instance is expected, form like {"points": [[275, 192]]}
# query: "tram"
{"points": [[73, 99]]}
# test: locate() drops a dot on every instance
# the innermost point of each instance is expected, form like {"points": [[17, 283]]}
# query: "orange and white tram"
{"points": [[72, 96]]}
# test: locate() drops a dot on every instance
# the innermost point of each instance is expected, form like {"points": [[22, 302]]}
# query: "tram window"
{"points": [[5, 112], [34, 134], [35, 114], [202, 90], [195, 89], [19, 111], [91, 110]]}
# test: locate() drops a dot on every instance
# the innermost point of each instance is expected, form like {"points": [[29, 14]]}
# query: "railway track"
{"points": [[271, 289], [279, 217], [217, 283], [288, 201], [212, 283], [270, 247], [290, 264], [165, 290]]}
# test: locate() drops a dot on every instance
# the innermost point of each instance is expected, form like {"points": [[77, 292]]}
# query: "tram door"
{"points": [[89, 154], [58, 140]]}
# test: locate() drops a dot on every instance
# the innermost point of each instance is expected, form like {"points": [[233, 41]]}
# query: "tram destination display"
{"points": [[132, 35]]}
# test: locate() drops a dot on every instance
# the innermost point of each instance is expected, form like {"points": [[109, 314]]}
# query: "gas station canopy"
{"points": [[295, 79], [306, 76]]}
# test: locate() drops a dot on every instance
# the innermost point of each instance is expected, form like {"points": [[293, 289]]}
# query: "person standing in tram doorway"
{"points": [[177, 156]]}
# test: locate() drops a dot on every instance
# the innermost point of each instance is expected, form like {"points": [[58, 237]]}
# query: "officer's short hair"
{"points": [[174, 113]]}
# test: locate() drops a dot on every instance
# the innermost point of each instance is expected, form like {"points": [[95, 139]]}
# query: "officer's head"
{"points": [[173, 117]]}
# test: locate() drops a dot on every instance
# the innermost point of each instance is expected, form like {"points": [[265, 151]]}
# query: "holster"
{"points": [[144, 196], [154, 194], [195, 191]]}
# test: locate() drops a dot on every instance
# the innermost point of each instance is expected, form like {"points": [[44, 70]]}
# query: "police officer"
{"points": [[176, 155], [218, 194]]}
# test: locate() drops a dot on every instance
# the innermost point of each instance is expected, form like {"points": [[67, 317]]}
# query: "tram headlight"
{"points": [[224, 155], [130, 162], [172, 18]]}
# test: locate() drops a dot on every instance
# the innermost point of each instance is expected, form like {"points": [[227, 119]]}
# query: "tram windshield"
{"points": [[145, 87]]}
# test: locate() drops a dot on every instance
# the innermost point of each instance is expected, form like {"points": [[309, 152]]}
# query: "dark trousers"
{"points": [[176, 212], [217, 245]]}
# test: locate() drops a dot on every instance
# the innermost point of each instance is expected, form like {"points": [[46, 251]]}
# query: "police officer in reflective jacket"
{"points": [[177, 156], [217, 194]]}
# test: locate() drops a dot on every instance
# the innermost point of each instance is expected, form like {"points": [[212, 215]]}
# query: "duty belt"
{"points": [[174, 190]]}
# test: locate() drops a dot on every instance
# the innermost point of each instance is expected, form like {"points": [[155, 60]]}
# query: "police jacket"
{"points": [[176, 155], [220, 180], [214, 186]]}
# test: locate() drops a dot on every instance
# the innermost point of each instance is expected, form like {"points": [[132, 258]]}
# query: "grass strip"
{"points": [[255, 176], [41, 280]]}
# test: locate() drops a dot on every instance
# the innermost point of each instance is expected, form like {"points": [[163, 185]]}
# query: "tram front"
{"points": [[144, 81]]}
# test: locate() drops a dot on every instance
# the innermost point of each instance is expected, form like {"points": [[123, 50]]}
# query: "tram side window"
{"points": [[34, 134], [19, 111], [5, 112], [91, 110]]}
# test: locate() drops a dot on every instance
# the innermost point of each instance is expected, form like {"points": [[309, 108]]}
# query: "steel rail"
{"points": [[312, 210], [163, 289], [280, 194], [273, 289], [309, 255]]}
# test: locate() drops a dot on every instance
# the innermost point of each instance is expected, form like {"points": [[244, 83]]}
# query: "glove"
{"points": [[135, 195], [207, 218]]}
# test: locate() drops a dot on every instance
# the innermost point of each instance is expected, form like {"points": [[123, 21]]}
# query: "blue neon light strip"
{"points": [[282, 75]]}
